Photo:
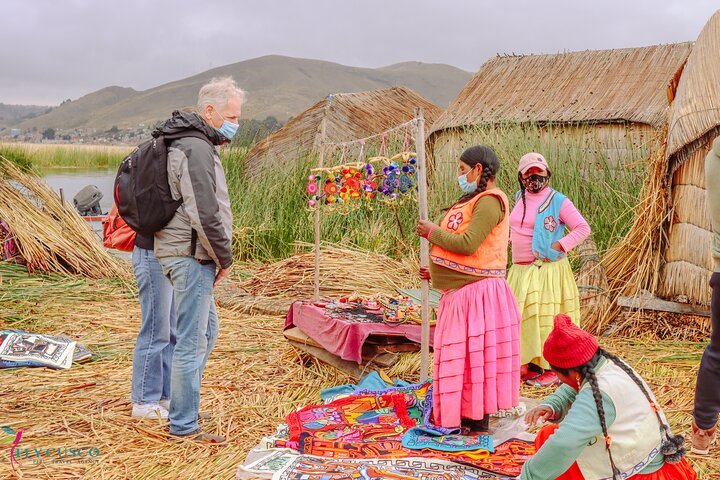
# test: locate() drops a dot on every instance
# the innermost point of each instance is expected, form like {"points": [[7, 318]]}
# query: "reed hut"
{"points": [[613, 99], [617, 101], [694, 122], [348, 116]]}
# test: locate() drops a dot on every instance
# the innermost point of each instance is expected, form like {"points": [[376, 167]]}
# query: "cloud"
{"points": [[56, 50]]}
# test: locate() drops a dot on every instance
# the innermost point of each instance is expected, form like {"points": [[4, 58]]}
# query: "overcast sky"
{"points": [[51, 50]]}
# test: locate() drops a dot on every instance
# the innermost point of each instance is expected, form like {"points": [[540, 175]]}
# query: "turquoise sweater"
{"points": [[579, 424]]}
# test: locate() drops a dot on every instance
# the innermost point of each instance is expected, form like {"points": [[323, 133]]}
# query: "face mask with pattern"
{"points": [[534, 183]]}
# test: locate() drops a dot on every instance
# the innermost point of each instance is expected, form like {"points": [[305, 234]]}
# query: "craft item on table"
{"points": [[419, 438], [342, 328], [306, 467], [359, 418]]}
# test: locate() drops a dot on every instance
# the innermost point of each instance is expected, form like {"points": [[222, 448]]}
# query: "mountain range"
{"points": [[277, 86]]}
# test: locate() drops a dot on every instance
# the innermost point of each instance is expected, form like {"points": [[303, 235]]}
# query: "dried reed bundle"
{"points": [[343, 270], [592, 284], [633, 264], [51, 237]]}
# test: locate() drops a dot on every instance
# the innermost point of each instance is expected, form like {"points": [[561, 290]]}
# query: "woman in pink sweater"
{"points": [[540, 275]]}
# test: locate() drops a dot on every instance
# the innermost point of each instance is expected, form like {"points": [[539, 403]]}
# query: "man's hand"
{"points": [[221, 275]]}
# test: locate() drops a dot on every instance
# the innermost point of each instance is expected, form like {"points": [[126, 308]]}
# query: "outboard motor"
{"points": [[87, 201]]}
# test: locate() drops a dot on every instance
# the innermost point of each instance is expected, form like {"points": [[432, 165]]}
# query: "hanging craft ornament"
{"points": [[347, 187]]}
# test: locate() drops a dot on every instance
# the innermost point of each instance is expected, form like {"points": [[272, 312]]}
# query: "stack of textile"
{"points": [[384, 430]]}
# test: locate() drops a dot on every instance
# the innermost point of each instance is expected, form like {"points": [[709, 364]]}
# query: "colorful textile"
{"points": [[370, 382], [507, 459], [304, 467], [419, 438], [521, 230], [343, 334], [364, 418], [669, 471], [542, 291], [8, 245], [477, 353]]}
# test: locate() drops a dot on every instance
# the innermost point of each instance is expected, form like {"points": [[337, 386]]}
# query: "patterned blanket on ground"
{"points": [[507, 459], [361, 418], [305, 467]]}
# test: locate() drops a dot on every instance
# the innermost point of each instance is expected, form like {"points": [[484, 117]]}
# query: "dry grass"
{"points": [[51, 236], [343, 270], [252, 381]]}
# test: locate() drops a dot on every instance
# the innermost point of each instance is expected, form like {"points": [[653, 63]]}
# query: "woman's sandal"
{"points": [[547, 379]]}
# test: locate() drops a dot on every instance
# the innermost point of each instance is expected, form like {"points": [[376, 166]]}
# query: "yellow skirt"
{"points": [[542, 292]]}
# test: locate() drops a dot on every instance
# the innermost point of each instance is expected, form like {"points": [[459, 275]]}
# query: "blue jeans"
{"points": [[153, 353], [707, 390], [197, 330]]}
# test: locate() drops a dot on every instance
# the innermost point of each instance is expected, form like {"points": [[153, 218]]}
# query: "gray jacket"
{"points": [[196, 175]]}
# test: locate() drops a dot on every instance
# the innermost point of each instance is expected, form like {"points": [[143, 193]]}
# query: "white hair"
{"points": [[218, 91]]}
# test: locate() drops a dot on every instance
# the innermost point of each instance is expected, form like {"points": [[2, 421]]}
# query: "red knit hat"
{"points": [[568, 346]]}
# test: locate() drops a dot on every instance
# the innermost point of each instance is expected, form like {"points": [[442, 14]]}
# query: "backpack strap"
{"points": [[193, 242]]}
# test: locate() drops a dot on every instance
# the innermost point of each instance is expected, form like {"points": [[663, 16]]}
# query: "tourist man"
{"points": [[194, 249]]}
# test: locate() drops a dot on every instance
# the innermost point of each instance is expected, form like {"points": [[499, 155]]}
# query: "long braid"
{"points": [[588, 374], [672, 445], [522, 194]]}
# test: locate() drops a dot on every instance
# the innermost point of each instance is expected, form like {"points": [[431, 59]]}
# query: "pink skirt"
{"points": [[476, 367]]}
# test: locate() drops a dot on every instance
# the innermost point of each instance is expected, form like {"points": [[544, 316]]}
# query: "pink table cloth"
{"points": [[341, 337]]}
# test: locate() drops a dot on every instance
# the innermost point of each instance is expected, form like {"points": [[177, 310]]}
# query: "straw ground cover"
{"points": [[252, 381]]}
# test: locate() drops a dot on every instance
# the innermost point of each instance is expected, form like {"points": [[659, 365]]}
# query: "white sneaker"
{"points": [[165, 404], [149, 410]]}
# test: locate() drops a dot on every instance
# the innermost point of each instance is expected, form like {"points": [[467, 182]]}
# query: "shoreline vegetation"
{"points": [[271, 215]]}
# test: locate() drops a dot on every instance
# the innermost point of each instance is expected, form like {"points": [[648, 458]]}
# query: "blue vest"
{"points": [[548, 228]]}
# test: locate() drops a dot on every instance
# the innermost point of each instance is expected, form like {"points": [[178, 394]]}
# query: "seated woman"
{"points": [[607, 424]]}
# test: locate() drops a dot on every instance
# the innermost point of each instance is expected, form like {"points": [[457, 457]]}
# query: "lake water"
{"points": [[72, 180]]}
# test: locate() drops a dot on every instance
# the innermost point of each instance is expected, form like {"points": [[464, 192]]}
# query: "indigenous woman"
{"points": [[476, 360], [540, 276], [607, 423]]}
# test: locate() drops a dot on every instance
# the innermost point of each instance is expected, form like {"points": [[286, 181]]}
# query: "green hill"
{"points": [[277, 86]]}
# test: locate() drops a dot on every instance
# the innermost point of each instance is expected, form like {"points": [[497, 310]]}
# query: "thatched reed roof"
{"points": [[696, 110], [629, 84], [348, 116]]}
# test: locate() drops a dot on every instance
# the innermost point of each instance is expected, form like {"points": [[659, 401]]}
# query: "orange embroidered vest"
{"points": [[490, 259]]}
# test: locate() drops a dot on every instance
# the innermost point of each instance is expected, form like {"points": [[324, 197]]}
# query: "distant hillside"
{"points": [[12, 114], [277, 86]]}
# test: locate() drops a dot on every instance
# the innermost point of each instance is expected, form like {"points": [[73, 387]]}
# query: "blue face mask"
{"points": [[465, 186], [227, 129]]}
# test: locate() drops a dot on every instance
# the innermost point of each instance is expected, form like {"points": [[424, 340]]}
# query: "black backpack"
{"points": [[142, 193]]}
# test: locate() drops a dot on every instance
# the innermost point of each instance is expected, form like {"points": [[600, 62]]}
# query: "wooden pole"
{"points": [[321, 162], [424, 244]]}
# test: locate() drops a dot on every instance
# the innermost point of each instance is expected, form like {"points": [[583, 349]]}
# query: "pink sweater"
{"points": [[521, 236]]}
